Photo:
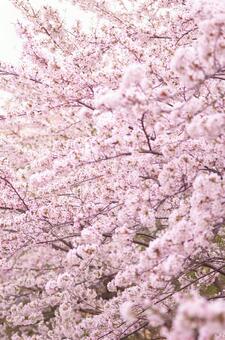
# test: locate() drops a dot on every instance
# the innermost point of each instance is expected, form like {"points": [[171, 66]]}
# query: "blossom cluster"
{"points": [[112, 173]]}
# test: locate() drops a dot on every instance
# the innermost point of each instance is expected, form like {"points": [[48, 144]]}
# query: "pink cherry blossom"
{"points": [[112, 173]]}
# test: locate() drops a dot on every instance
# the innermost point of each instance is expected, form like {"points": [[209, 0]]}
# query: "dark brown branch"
{"points": [[13, 209], [58, 239], [140, 243], [134, 332], [15, 191], [211, 266], [188, 285], [148, 138], [185, 33], [86, 105], [106, 158]]}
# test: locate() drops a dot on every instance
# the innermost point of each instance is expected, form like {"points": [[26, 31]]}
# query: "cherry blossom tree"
{"points": [[112, 173]]}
